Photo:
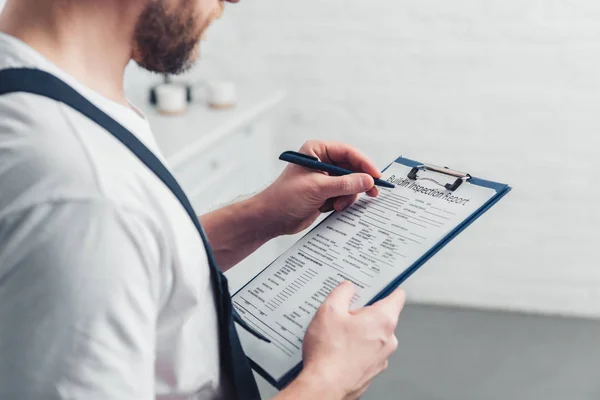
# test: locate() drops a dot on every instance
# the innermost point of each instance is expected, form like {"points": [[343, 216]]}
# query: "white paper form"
{"points": [[371, 243]]}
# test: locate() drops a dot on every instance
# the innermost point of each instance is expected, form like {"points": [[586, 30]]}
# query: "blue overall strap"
{"points": [[234, 364]]}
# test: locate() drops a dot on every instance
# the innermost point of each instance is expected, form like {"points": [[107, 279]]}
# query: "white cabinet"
{"points": [[218, 155]]}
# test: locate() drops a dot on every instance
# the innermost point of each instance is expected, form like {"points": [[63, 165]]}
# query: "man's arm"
{"points": [[79, 288], [237, 230], [289, 205]]}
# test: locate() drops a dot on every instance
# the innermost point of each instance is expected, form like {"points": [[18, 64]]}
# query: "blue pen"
{"points": [[311, 162]]}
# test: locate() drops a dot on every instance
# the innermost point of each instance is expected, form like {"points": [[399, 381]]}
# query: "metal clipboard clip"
{"points": [[460, 176]]}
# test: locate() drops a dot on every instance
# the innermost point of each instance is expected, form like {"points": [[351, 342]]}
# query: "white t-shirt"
{"points": [[104, 282]]}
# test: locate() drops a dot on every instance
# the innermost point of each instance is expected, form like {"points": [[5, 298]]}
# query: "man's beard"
{"points": [[167, 41]]}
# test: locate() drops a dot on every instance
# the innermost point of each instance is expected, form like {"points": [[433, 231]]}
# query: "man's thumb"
{"points": [[341, 297]]}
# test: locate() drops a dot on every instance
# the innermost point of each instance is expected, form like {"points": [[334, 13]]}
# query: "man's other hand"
{"points": [[344, 350]]}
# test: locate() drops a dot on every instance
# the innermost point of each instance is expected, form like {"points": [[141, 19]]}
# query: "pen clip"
{"points": [[291, 154], [238, 319]]}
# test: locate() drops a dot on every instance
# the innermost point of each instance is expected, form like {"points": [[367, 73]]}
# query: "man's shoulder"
{"points": [[40, 155], [50, 151]]}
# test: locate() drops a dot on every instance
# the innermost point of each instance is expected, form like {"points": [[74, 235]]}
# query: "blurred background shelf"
{"points": [[218, 155]]}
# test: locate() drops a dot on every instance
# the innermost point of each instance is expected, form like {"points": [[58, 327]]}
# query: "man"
{"points": [[106, 289]]}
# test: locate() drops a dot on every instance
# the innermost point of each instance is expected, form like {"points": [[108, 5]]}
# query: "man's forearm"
{"points": [[237, 230], [309, 387]]}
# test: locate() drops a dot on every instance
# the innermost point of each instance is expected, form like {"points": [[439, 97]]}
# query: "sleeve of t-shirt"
{"points": [[79, 294]]}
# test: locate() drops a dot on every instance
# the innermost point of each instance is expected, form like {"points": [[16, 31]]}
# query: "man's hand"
{"points": [[299, 195], [289, 205], [344, 350]]}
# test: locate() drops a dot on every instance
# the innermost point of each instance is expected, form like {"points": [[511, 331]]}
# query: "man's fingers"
{"points": [[374, 192], [394, 302], [337, 186], [338, 203], [392, 305], [341, 296], [327, 207], [344, 202], [343, 155], [363, 389]]}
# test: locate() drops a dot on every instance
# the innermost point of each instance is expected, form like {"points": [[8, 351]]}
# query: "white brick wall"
{"points": [[507, 89]]}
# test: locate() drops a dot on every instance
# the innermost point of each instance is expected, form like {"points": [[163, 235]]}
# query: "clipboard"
{"points": [[449, 180]]}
